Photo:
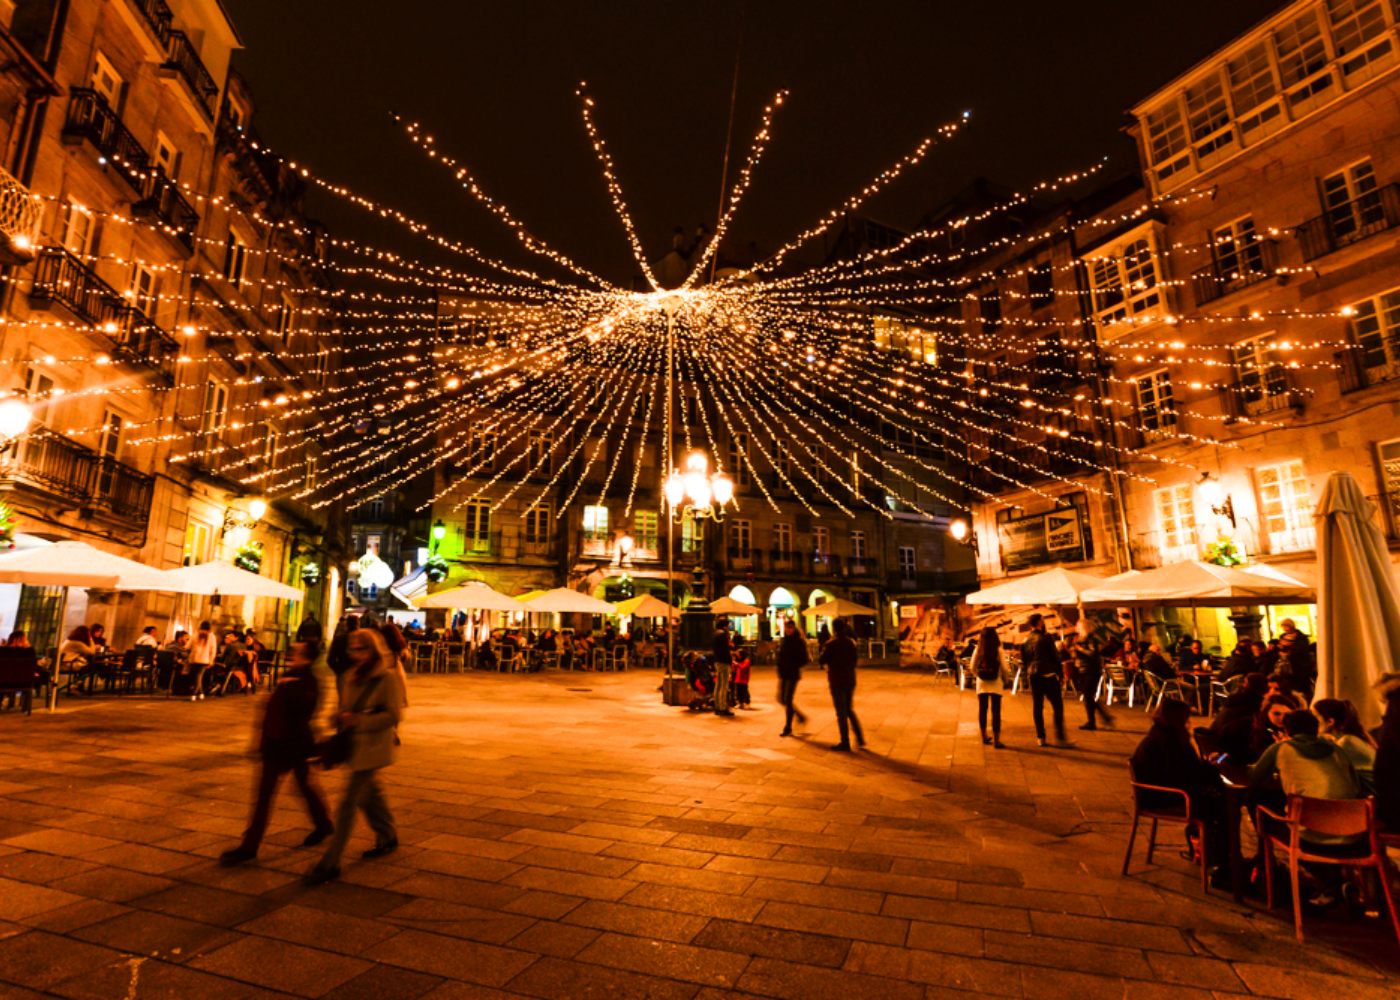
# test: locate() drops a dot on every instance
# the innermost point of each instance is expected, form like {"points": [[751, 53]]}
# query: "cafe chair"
{"points": [[422, 661], [1159, 688], [1115, 681], [1170, 811], [1354, 818], [20, 676], [618, 658]]}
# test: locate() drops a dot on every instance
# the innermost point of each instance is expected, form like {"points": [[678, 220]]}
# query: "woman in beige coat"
{"points": [[372, 705]]}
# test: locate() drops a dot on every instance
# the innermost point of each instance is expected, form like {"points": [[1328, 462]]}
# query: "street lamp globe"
{"points": [[1211, 490], [958, 529], [439, 530], [257, 508], [675, 489], [723, 488], [697, 462], [15, 417]]}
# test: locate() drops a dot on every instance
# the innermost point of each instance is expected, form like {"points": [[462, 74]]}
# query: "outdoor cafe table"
{"points": [[1201, 681]]}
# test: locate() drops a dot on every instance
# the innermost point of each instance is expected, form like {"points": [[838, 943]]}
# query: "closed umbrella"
{"points": [[566, 601], [839, 608], [75, 564], [1057, 587], [468, 597], [221, 579], [1358, 607]]}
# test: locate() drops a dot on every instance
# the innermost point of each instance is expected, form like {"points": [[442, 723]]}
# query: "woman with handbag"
{"points": [[988, 667], [372, 705]]}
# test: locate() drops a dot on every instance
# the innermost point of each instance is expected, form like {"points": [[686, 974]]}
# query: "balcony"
{"points": [[1356, 374], [1374, 212], [1269, 392], [19, 221], [62, 278], [183, 62], [63, 469], [862, 567], [157, 196], [481, 546], [1254, 263], [1300, 537], [156, 15]]}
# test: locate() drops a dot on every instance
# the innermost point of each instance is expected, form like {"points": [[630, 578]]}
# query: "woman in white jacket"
{"points": [[203, 652]]}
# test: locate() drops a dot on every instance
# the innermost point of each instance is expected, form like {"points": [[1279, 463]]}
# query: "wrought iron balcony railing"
{"points": [[19, 221], [1254, 262], [1356, 374], [161, 198], [62, 278], [157, 15], [1350, 222], [1270, 392], [184, 60], [61, 467]]}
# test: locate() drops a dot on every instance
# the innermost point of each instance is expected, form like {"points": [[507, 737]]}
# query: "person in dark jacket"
{"points": [[338, 659], [309, 629], [1088, 671], [1240, 663], [1155, 662], [839, 656], [286, 744], [1166, 757], [792, 657], [722, 657], [1232, 731], [1042, 662], [1386, 770]]}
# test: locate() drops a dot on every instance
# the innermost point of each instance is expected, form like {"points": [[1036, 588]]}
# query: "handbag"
{"points": [[336, 749]]}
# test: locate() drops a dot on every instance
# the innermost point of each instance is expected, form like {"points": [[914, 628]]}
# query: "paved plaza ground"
{"points": [[566, 835]]}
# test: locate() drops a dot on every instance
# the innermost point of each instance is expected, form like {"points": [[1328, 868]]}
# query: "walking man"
{"points": [[840, 657], [286, 744], [792, 657], [1088, 672], [723, 660], [1042, 661]]}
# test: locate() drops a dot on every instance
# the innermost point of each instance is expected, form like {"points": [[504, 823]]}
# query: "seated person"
{"points": [[1232, 730], [1240, 663], [98, 635], [1267, 657], [18, 640], [180, 645], [1339, 722], [946, 655], [147, 639], [547, 643], [76, 655], [1194, 657], [1387, 767], [1167, 757], [1282, 686], [1268, 724], [1155, 662]]}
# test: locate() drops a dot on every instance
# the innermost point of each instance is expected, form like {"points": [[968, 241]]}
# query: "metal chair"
{"points": [[422, 659], [1116, 680], [1172, 813], [1353, 818], [600, 658], [617, 658]]}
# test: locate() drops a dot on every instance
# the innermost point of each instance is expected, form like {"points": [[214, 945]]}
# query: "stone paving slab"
{"points": [[568, 836]]}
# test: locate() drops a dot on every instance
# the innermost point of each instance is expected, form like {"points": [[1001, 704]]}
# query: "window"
{"points": [[1352, 203], [595, 524], [900, 337], [1176, 522], [1166, 140], [782, 459], [1355, 24], [989, 310], [821, 543], [1285, 506], [907, 566], [1040, 285], [271, 443], [109, 442], [235, 259], [738, 466], [312, 471], [644, 530], [782, 540], [197, 538], [1254, 92], [286, 318], [1208, 116], [541, 445], [77, 228], [477, 530], [373, 511], [167, 156], [1237, 252], [1125, 284], [107, 82], [143, 290], [537, 524], [323, 366], [481, 450], [1375, 328], [1262, 378], [692, 535], [1156, 405], [211, 420], [1302, 62], [740, 538], [39, 388], [858, 547]]}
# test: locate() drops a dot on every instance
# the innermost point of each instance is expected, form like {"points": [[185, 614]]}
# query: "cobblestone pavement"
{"points": [[568, 836]]}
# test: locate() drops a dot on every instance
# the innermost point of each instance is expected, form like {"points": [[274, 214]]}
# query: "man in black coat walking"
{"points": [[840, 657], [287, 744], [792, 657], [1042, 662]]}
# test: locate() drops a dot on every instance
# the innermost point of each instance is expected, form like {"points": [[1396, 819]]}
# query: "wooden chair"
{"points": [[1172, 813], [1355, 818]]}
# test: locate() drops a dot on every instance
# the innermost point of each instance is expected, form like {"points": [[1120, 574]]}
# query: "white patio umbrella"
{"points": [[566, 601], [1057, 587], [1196, 584], [468, 597], [1358, 606], [646, 606], [838, 608], [221, 579], [727, 606], [75, 564]]}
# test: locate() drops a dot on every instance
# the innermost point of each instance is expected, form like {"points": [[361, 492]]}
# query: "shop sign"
{"points": [[1055, 536]]}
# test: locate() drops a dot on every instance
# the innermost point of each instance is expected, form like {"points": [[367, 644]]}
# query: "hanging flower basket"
{"points": [[436, 568], [249, 556], [1224, 552], [7, 526]]}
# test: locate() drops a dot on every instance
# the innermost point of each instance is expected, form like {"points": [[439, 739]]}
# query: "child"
{"points": [[741, 665]]}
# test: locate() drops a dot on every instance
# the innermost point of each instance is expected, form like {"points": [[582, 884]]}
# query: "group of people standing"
{"points": [[839, 656]]}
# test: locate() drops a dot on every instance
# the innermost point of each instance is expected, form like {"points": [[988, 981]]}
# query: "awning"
{"points": [[1198, 584], [1058, 587]]}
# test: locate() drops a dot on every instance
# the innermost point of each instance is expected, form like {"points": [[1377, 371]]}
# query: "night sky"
{"points": [[494, 83]]}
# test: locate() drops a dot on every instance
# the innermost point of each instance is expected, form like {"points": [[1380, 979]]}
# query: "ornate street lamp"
{"points": [[694, 495]]}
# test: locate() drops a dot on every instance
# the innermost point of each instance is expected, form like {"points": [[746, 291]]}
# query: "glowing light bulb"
{"points": [[675, 489]]}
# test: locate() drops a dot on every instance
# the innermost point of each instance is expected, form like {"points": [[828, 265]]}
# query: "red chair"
{"points": [[1333, 817], [1195, 825]]}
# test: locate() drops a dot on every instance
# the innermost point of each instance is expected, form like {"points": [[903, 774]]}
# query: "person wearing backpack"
{"points": [[987, 666]]}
